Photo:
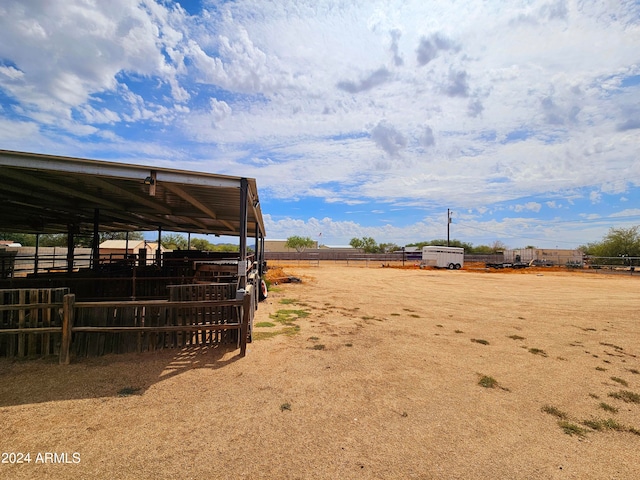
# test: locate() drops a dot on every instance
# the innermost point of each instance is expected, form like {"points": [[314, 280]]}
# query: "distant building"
{"points": [[114, 250], [278, 246], [9, 244], [548, 256]]}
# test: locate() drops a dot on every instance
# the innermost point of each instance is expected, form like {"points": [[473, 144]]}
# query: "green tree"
{"points": [[356, 243], [367, 244], [174, 241], [201, 244], [299, 243], [482, 250], [468, 247], [388, 247], [53, 240], [120, 236], [618, 242], [227, 247], [60, 239], [24, 239]]}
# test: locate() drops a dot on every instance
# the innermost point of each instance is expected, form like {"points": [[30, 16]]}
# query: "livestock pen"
{"points": [[118, 305]]}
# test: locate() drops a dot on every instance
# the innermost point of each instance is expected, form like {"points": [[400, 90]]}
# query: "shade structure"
{"points": [[51, 194]]}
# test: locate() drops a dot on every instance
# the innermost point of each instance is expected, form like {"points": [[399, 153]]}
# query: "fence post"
{"points": [[247, 311], [68, 305]]}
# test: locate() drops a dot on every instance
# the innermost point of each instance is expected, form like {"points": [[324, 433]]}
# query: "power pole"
{"points": [[448, 223]]}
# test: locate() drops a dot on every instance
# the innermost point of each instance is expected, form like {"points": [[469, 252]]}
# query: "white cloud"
{"points": [[219, 110], [595, 197], [388, 138], [531, 206], [629, 212], [11, 73]]}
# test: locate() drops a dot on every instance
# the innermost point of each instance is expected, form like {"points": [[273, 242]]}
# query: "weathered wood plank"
{"points": [[168, 328], [160, 303], [67, 325], [35, 331], [28, 306], [32, 343], [21, 323], [247, 313], [46, 321]]}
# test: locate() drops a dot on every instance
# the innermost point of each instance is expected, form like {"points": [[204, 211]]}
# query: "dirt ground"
{"points": [[358, 373]]}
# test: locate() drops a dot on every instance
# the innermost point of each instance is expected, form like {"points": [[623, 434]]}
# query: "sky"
{"points": [[356, 118]]}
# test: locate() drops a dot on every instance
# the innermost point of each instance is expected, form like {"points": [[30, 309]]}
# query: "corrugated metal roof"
{"points": [[45, 194]]}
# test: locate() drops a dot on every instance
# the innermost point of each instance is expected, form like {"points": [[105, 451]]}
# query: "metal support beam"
{"points": [[158, 250], [70, 248], [257, 249], [242, 268], [96, 240], [35, 260]]}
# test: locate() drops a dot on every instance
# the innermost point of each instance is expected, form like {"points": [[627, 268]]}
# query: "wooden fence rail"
{"points": [[186, 322], [30, 317]]}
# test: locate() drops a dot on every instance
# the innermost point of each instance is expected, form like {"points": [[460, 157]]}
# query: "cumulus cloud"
{"points": [[546, 12], [475, 108], [531, 206], [457, 84], [388, 138], [630, 124], [556, 114], [429, 47], [395, 51], [219, 110], [427, 139], [65, 53], [11, 73], [629, 212], [372, 80]]}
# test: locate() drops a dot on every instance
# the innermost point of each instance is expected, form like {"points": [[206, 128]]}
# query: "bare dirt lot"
{"points": [[359, 373]]}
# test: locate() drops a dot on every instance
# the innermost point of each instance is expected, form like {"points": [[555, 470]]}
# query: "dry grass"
{"points": [[366, 373]]}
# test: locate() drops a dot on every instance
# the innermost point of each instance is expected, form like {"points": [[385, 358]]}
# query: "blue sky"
{"points": [[356, 118]]}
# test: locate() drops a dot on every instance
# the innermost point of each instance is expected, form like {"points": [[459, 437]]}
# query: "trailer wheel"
{"points": [[458, 266], [451, 266], [263, 290]]}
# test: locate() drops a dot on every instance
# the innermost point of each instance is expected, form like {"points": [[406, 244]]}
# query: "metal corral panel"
{"points": [[548, 255]]}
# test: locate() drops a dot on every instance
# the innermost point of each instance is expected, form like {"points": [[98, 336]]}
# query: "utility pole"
{"points": [[448, 223]]}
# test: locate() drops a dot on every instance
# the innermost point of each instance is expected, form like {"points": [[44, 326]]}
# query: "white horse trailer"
{"points": [[443, 257]]}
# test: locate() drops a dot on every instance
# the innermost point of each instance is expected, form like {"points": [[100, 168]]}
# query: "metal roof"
{"points": [[46, 193]]}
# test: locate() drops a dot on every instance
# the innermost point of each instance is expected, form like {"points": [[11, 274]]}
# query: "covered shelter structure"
{"points": [[42, 194]]}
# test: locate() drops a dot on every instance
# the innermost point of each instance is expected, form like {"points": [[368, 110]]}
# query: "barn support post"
{"points": [[70, 248], [258, 251], [262, 256], [242, 264], [257, 264], [95, 245], [68, 305], [158, 254], [35, 260], [247, 311]]}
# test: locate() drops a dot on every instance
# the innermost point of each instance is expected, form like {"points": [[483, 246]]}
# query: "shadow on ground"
{"points": [[44, 380]]}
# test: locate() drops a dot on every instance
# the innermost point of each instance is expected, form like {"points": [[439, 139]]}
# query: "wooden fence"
{"points": [[29, 321], [193, 315]]}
